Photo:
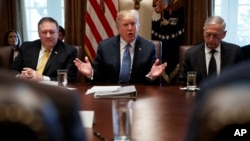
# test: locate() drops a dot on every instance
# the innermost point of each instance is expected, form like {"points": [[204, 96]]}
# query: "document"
{"points": [[95, 89], [113, 91]]}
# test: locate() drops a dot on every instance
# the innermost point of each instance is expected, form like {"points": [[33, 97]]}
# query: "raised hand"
{"points": [[84, 67]]}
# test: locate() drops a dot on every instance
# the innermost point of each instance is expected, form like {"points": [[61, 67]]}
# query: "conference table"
{"points": [[160, 113]]}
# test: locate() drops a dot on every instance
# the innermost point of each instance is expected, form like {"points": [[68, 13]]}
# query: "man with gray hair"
{"points": [[213, 55]]}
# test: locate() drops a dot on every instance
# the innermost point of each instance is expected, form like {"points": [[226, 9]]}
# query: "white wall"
{"points": [[145, 11]]}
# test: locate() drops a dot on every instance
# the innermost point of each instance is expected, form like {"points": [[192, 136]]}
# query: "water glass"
{"points": [[122, 110], [191, 80], [62, 79]]}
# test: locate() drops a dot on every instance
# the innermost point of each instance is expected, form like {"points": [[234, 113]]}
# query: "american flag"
{"points": [[160, 5], [100, 23]]}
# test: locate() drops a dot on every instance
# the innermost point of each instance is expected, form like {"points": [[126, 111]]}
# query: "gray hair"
{"points": [[123, 13], [215, 20]]}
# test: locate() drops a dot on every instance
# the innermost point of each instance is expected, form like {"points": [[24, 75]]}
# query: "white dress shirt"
{"points": [[217, 56], [41, 53]]}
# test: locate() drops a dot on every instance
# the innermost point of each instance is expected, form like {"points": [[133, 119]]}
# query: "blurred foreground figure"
{"points": [[221, 110], [36, 112]]}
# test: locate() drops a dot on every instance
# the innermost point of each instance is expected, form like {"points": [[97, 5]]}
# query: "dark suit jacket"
{"points": [[107, 62], [66, 103], [246, 52], [61, 57], [194, 60], [232, 78]]}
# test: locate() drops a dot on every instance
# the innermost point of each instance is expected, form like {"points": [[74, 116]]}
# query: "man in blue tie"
{"points": [[124, 58]]}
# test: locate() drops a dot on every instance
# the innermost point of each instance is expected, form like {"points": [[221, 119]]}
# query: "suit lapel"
{"points": [[202, 61], [35, 51], [115, 49], [224, 57], [57, 50], [137, 54]]}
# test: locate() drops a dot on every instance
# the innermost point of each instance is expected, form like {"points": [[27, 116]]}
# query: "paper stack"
{"points": [[113, 91]]}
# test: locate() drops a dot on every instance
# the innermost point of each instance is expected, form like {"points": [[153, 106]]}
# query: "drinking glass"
{"points": [[122, 119], [191, 80], [62, 77]]}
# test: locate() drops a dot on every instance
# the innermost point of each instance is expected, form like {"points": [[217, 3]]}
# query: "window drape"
{"points": [[196, 12], [10, 17], [75, 26], [75, 22]]}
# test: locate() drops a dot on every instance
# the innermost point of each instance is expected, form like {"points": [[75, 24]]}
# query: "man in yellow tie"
{"points": [[39, 60]]}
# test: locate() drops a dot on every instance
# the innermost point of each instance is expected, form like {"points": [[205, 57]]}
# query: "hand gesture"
{"points": [[157, 69], [84, 67], [30, 74]]}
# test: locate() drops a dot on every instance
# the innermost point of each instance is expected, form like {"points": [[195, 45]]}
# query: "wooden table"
{"points": [[160, 113]]}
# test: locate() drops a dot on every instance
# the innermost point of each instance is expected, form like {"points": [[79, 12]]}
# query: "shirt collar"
{"points": [[124, 43], [43, 49], [207, 50]]}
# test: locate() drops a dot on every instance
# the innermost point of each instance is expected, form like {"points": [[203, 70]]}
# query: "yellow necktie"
{"points": [[44, 60]]}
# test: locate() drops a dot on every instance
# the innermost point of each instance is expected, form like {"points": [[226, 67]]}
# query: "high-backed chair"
{"points": [[79, 52], [182, 50], [158, 45], [80, 77], [6, 56]]}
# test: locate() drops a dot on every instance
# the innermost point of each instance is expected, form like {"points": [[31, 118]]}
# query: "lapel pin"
{"points": [[55, 52]]}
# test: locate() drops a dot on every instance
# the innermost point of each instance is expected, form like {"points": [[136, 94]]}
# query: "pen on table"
{"points": [[100, 136]]}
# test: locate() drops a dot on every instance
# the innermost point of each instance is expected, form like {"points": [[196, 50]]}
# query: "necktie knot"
{"points": [[47, 51], [213, 51], [127, 46]]}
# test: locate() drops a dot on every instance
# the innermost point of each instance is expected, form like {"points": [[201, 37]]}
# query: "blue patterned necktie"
{"points": [[125, 68]]}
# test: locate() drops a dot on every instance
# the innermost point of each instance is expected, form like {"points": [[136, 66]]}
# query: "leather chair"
{"points": [[158, 45], [182, 51], [6, 57], [80, 77], [79, 52]]}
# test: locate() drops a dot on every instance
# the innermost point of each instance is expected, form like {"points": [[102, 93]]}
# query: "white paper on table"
{"points": [[53, 83], [87, 118], [121, 91], [95, 89]]}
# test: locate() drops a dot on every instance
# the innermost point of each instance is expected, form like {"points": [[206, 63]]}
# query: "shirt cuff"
{"points": [[46, 78], [149, 76], [91, 76]]}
